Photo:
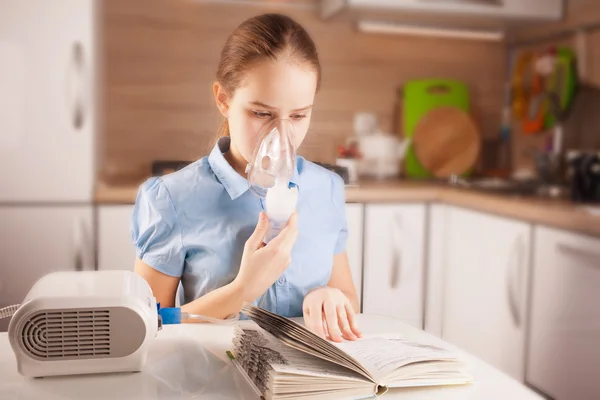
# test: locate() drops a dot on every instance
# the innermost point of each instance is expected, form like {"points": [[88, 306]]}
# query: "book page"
{"points": [[301, 363], [268, 364], [299, 337], [386, 353], [379, 358]]}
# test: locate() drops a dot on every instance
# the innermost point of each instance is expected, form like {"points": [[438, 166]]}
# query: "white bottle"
{"points": [[280, 203]]}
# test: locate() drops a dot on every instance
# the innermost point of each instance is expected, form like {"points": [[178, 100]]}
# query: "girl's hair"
{"points": [[264, 37]]}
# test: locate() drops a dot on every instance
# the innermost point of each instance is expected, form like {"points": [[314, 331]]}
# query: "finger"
{"points": [[351, 316], [288, 242], [316, 318], [255, 241], [332, 321], [324, 323], [292, 235], [293, 221], [307, 317], [344, 324]]}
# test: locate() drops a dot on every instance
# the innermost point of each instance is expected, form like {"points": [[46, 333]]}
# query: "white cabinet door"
{"points": [[38, 240], [354, 216], [485, 294], [47, 102], [115, 248], [394, 261], [564, 342]]}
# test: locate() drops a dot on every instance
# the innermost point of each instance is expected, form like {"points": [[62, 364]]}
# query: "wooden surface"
{"points": [[556, 213], [161, 58], [447, 141]]}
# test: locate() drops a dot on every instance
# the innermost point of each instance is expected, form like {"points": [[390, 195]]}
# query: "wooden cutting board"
{"points": [[447, 141]]}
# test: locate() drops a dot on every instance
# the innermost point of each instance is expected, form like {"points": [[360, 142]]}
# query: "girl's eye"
{"points": [[261, 114], [298, 116]]}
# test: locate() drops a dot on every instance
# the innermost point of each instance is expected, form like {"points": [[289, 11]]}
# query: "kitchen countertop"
{"points": [[188, 361], [560, 214]]}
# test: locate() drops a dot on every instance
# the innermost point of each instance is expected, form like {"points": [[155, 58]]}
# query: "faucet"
{"points": [[549, 164]]}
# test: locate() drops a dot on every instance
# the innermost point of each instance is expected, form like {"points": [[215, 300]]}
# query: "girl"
{"points": [[201, 226]]}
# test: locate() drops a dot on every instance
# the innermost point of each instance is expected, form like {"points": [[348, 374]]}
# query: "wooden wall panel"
{"points": [[161, 57], [577, 13], [593, 54]]}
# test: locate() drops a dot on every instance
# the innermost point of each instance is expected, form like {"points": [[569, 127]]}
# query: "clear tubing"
{"points": [[9, 311]]}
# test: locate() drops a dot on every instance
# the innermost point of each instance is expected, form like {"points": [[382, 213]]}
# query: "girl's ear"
{"points": [[221, 99]]}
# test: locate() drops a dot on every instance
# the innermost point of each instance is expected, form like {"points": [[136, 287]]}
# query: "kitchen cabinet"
{"points": [[564, 339], [354, 217], [39, 240], [115, 247], [394, 261], [47, 101], [486, 277]]}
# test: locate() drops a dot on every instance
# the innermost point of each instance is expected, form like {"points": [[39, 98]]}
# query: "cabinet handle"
{"points": [[78, 241], [515, 269], [78, 261], [521, 271], [491, 3], [587, 253], [75, 84], [396, 267], [81, 257]]}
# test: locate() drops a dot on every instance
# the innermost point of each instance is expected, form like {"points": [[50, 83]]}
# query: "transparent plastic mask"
{"points": [[274, 160]]}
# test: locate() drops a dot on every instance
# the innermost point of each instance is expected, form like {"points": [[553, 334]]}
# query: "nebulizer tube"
{"points": [[270, 172], [174, 315]]}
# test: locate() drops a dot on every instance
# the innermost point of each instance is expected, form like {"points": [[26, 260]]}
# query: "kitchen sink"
{"points": [[511, 188]]}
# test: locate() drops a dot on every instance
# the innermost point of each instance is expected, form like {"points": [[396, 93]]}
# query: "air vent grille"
{"points": [[67, 334]]}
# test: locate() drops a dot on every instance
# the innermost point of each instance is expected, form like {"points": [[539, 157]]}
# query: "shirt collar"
{"points": [[235, 184]]}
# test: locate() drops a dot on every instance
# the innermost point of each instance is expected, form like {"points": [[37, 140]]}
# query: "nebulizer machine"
{"points": [[271, 171], [83, 322], [88, 322]]}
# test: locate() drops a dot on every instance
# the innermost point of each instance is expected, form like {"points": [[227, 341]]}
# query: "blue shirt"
{"points": [[193, 224]]}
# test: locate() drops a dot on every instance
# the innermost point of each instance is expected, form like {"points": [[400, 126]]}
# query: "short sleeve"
{"points": [[339, 200], [155, 229]]}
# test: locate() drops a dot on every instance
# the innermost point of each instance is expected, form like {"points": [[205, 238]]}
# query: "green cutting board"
{"points": [[420, 97]]}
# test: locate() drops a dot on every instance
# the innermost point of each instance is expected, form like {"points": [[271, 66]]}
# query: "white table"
{"points": [[189, 361]]}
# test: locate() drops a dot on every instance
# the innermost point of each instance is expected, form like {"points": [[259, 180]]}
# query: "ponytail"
{"points": [[223, 129]]}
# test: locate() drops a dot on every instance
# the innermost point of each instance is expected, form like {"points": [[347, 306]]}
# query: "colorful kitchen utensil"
{"points": [[562, 81], [521, 83], [447, 142], [419, 98], [533, 122]]}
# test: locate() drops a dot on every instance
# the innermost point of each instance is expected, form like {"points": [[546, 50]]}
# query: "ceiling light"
{"points": [[450, 33]]}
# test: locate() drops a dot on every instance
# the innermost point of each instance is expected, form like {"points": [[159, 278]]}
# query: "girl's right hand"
{"points": [[262, 265]]}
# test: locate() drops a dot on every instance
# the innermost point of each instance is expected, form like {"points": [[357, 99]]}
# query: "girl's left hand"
{"points": [[328, 313]]}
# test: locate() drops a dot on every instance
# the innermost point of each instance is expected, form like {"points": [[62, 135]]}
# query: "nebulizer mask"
{"points": [[270, 172]]}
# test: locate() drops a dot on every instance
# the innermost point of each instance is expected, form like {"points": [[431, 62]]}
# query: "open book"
{"points": [[283, 360]]}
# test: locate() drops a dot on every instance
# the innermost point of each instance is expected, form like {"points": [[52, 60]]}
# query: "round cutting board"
{"points": [[447, 141]]}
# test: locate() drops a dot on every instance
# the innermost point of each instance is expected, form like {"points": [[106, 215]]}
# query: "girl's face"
{"points": [[271, 89]]}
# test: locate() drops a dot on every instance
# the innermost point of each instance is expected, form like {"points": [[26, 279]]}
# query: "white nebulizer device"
{"points": [[271, 171]]}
